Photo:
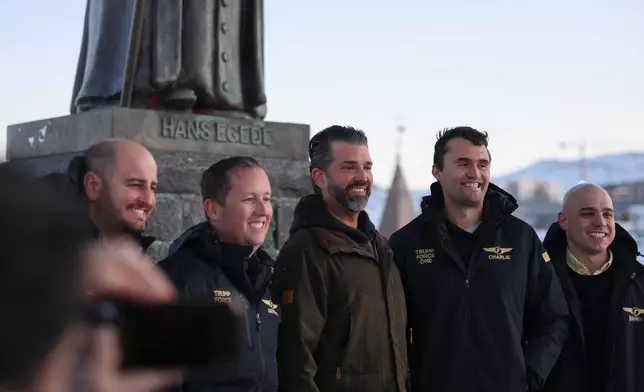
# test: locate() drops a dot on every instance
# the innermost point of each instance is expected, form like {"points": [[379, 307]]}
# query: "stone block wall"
{"points": [[179, 203], [184, 145]]}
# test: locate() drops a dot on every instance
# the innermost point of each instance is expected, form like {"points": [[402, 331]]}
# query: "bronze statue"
{"points": [[201, 55]]}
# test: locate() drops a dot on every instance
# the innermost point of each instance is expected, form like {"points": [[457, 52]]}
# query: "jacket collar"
{"points": [[577, 266], [312, 213], [231, 258], [76, 171], [497, 205], [624, 247]]}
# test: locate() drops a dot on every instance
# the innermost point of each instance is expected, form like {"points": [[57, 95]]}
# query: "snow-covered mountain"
{"points": [[603, 170]]}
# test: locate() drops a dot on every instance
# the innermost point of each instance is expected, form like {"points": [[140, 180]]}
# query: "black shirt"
{"points": [[594, 293], [463, 241]]}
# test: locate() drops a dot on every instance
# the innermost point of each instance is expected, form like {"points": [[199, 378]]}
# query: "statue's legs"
{"points": [[203, 55]]}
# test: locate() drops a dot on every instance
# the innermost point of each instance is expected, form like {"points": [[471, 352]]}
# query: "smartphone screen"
{"points": [[181, 335]]}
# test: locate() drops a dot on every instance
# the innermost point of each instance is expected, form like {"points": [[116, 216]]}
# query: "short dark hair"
{"points": [[41, 237], [215, 181], [320, 145], [474, 136]]}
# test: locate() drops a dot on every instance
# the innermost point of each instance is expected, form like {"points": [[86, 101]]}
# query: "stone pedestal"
{"points": [[184, 145]]}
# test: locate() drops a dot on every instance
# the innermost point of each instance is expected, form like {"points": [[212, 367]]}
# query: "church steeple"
{"points": [[399, 209], [401, 129]]}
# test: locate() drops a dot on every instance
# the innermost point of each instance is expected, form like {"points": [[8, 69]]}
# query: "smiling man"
{"points": [[596, 260], [115, 182], [486, 310], [343, 321], [221, 260], [120, 185]]}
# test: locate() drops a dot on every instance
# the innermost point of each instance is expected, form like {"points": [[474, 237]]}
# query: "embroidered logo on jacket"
{"points": [[635, 314], [222, 297], [498, 253], [425, 256], [271, 306]]}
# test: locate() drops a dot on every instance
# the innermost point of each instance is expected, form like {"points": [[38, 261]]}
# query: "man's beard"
{"points": [[127, 228], [341, 195], [116, 223]]}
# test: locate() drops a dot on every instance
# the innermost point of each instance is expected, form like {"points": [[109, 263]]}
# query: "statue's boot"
{"points": [[183, 99]]}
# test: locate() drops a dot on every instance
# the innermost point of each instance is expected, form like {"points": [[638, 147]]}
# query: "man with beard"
{"points": [[486, 310], [343, 308], [115, 182], [596, 260], [45, 267]]}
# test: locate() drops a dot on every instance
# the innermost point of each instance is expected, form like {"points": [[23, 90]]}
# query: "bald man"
{"points": [[116, 181], [596, 260]]}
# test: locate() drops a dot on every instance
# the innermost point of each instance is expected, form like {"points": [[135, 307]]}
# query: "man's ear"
{"points": [[92, 186], [436, 172], [319, 178], [563, 222], [212, 209]]}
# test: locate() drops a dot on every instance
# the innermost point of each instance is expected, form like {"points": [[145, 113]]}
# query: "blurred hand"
{"points": [[121, 270]]}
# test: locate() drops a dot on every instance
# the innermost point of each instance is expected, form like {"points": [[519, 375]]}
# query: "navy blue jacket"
{"points": [[494, 324], [201, 266]]}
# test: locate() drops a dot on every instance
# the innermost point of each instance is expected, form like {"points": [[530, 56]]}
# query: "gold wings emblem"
{"points": [[497, 250], [271, 306], [635, 311]]}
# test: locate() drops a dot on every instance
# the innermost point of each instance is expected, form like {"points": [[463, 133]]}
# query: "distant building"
{"points": [[399, 208], [526, 189], [626, 195], [539, 214], [539, 201]]}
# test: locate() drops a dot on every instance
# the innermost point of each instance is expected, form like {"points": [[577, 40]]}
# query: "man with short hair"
{"points": [[115, 181], [596, 260], [46, 342], [343, 307], [222, 260], [486, 310]]}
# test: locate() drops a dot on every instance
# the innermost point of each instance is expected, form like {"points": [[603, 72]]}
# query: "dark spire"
{"points": [[399, 209]]}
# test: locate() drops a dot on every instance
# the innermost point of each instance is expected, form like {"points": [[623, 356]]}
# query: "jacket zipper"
{"points": [[249, 338], [260, 348], [452, 253], [258, 319], [467, 283], [345, 347], [473, 258]]}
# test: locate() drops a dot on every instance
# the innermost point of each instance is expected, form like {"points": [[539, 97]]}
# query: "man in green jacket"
{"points": [[343, 305]]}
